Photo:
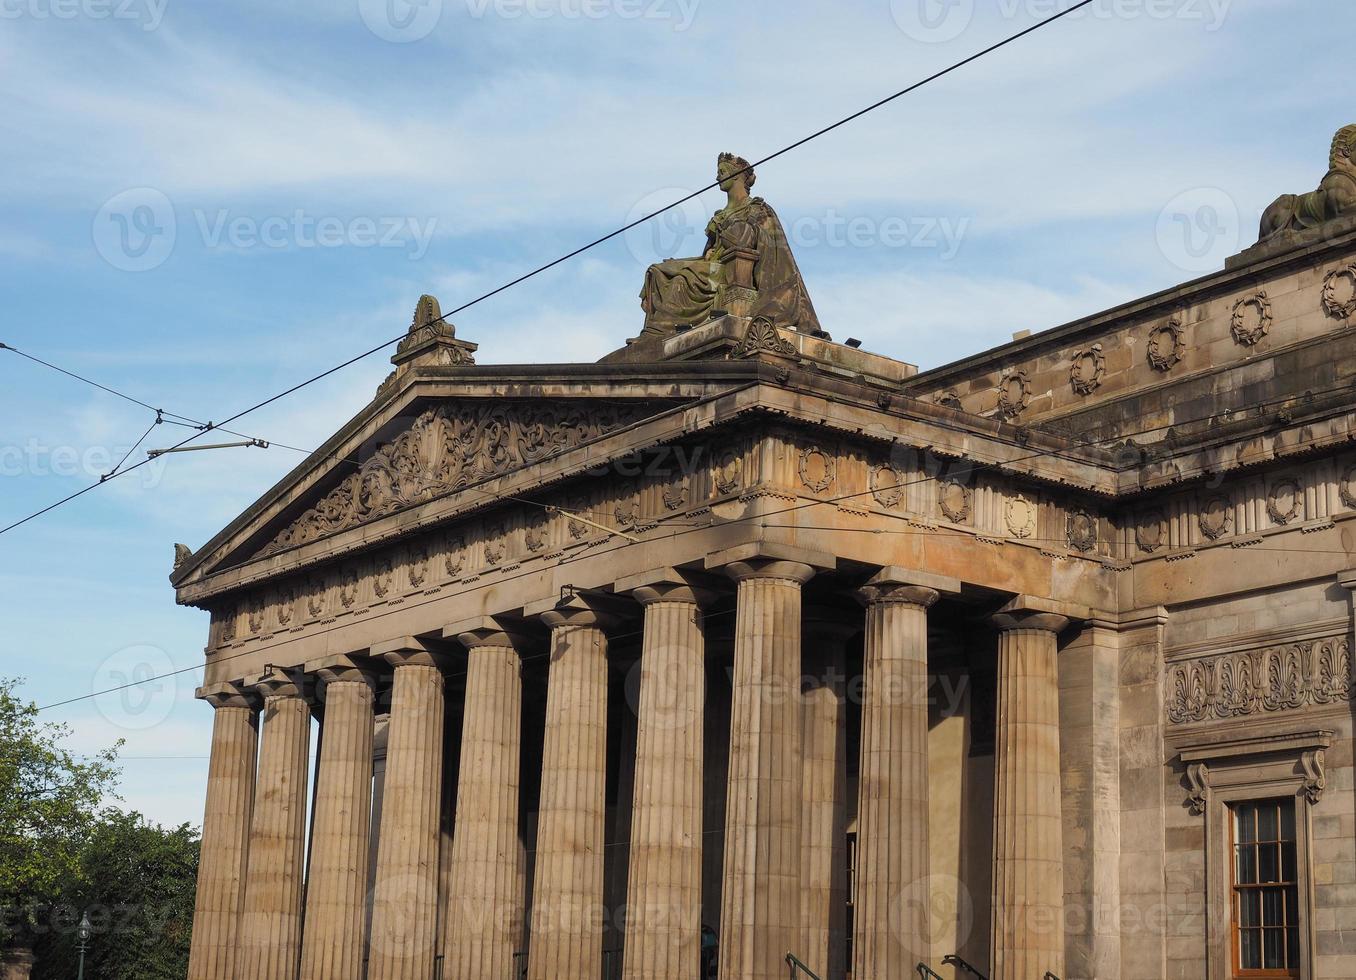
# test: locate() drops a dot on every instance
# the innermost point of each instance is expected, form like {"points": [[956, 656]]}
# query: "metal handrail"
{"points": [[796, 964], [951, 959], [926, 972]]}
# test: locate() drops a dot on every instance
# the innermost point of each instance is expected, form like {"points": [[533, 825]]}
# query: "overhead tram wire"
{"points": [[1011, 39], [738, 520]]}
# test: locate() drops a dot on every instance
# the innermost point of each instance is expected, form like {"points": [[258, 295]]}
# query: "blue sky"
{"points": [[205, 203]]}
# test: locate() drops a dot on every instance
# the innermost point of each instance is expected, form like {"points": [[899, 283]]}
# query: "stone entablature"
{"points": [[1221, 324]]}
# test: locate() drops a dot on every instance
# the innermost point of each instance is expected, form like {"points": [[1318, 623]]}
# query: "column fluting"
{"points": [[760, 906], [405, 894], [1028, 878], [270, 925], [567, 894], [892, 904], [663, 922], [484, 920], [336, 888], [225, 834]]}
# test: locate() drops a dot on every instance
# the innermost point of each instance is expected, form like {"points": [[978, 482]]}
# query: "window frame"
{"points": [[1237, 972]]}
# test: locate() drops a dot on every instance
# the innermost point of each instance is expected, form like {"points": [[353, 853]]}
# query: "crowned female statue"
{"points": [[747, 268]]}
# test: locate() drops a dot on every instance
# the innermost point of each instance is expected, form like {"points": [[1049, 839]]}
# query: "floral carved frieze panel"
{"points": [[1252, 682], [448, 449]]}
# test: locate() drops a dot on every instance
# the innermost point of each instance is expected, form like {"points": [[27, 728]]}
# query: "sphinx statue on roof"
{"points": [[747, 268], [1335, 197]]}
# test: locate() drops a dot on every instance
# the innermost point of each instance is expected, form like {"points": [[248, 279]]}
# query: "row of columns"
{"points": [[784, 885]]}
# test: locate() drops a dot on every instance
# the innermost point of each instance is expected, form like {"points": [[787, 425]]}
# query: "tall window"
{"points": [[1265, 889]]}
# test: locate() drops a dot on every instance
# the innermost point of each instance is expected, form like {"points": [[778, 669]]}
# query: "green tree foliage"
{"points": [[49, 806], [136, 881]]}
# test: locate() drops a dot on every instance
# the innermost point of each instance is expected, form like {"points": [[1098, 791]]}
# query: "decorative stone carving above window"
{"points": [[1151, 530], [1285, 501], [954, 498], [1252, 319], [1217, 517], [817, 469], [1020, 514], [1253, 682], [448, 449], [1082, 529], [1087, 370], [1268, 758], [887, 485], [1165, 346], [1339, 293], [1014, 394]]}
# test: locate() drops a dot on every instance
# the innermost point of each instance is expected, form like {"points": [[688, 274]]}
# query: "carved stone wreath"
{"points": [[955, 499], [762, 338], [383, 576], [456, 555], [1339, 293], [1014, 394], [1020, 514], [535, 538], [887, 485], [675, 497], [817, 469], [1151, 530], [950, 399], [1217, 517], [1252, 319], [1347, 488], [1082, 529], [729, 473], [1165, 346], [1285, 501], [1088, 370]]}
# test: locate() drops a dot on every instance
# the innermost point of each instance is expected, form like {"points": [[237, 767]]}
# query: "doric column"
{"points": [[225, 832], [270, 926], [405, 894], [892, 904], [336, 888], [823, 867], [1028, 877], [664, 901], [484, 920], [760, 907], [567, 894]]}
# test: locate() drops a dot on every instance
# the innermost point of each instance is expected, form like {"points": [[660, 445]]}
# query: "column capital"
{"points": [[600, 610], [408, 651], [893, 584], [232, 694], [1027, 612], [282, 682], [341, 669], [759, 555], [771, 568], [669, 585], [486, 631]]}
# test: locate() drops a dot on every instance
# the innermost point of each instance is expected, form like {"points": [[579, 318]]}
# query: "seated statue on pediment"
{"points": [[1335, 197], [747, 268]]}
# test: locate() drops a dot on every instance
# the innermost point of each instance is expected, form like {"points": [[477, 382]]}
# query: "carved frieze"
{"points": [[887, 485], [675, 497], [455, 560], [729, 473], [1252, 319], [1020, 514], [1339, 293], [1151, 530], [1285, 501], [448, 449], [1082, 529], [417, 565], [955, 499], [817, 469], [1217, 517], [1014, 394], [950, 399], [1347, 487], [1282, 678], [1087, 370], [1165, 346]]}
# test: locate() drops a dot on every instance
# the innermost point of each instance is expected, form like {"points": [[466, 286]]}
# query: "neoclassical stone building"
{"points": [[749, 642]]}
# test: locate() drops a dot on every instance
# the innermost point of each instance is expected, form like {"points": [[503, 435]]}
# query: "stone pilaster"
{"points": [[663, 923], [483, 924], [567, 894], [405, 895], [760, 907], [1028, 878], [336, 888], [225, 833], [893, 903], [270, 925], [823, 868]]}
